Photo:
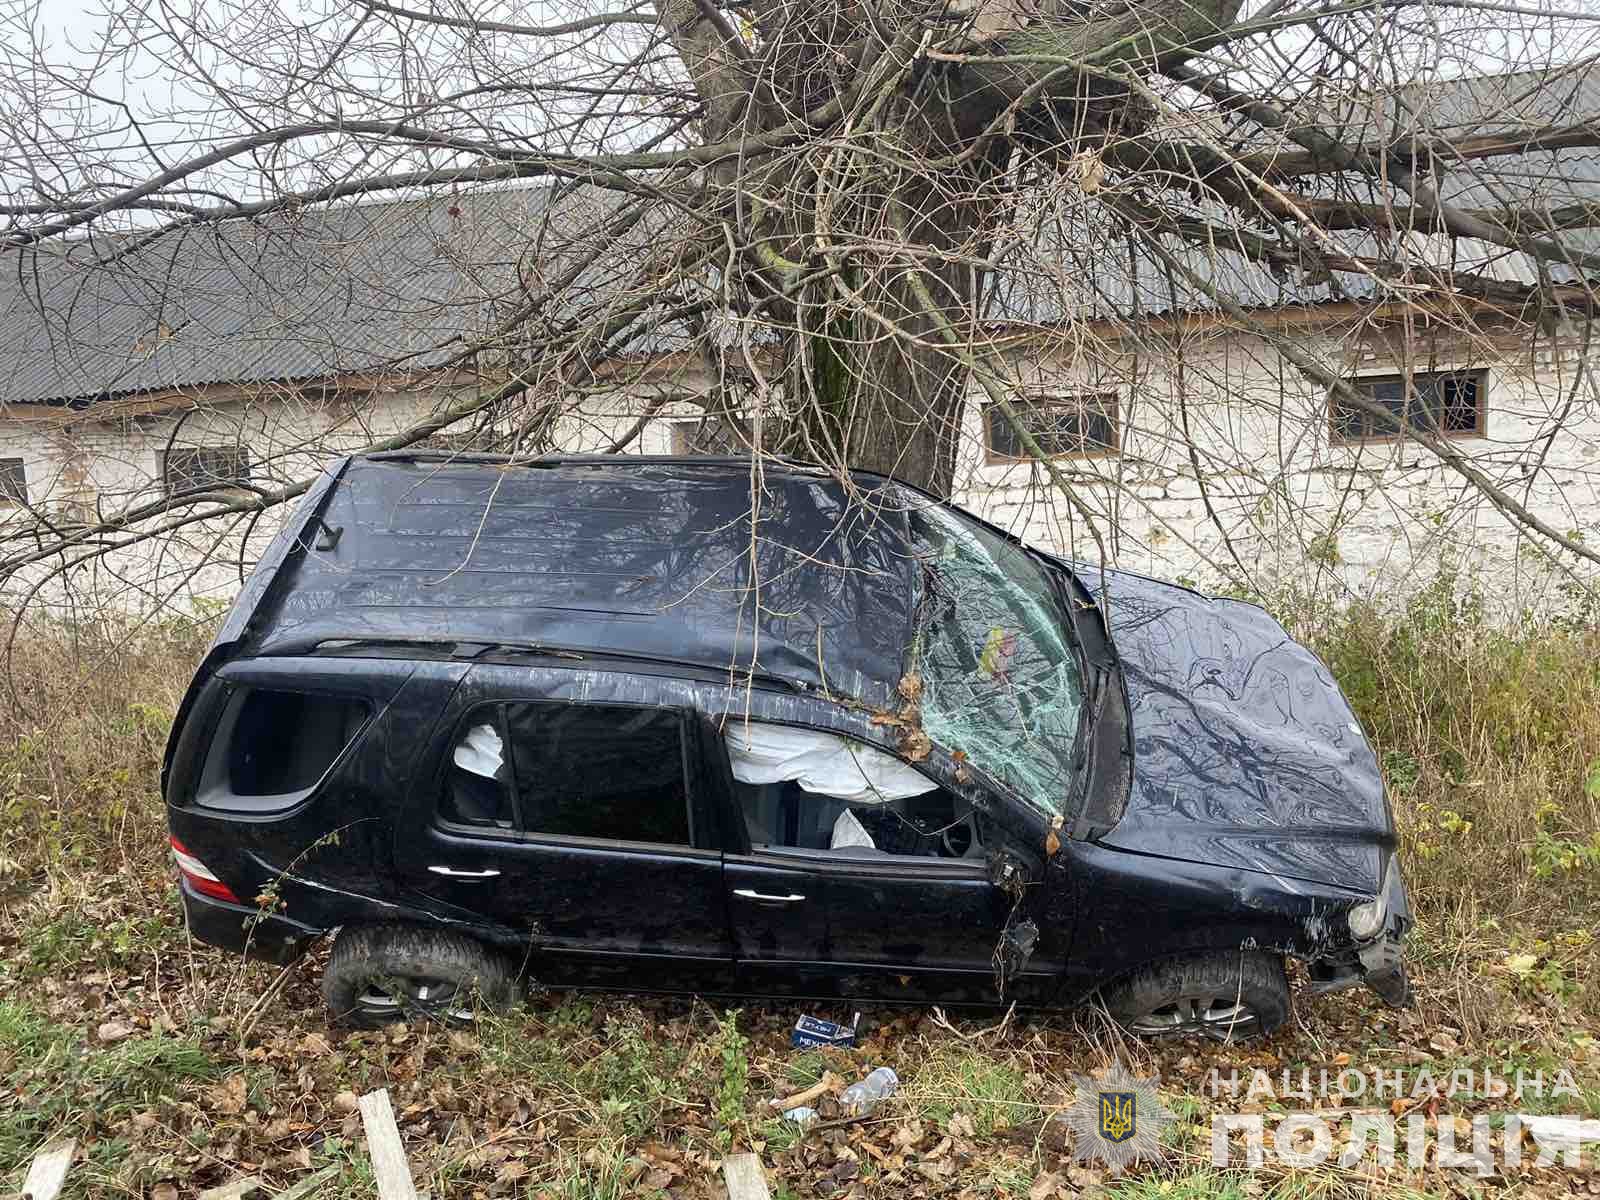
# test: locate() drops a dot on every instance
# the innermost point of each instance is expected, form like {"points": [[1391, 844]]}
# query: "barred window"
{"points": [[1452, 403], [195, 468], [1073, 425], [13, 481]]}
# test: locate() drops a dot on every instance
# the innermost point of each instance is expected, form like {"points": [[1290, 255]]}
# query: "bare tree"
{"points": [[862, 218]]}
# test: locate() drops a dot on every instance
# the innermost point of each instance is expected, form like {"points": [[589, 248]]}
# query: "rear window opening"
{"points": [[273, 747]]}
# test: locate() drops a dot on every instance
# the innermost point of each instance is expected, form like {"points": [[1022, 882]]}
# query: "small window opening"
{"points": [[1451, 403], [477, 785], [711, 436], [13, 481], [196, 468], [1061, 426]]}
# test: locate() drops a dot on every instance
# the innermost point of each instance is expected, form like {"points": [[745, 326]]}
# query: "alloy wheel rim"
{"points": [[1215, 1016], [393, 998]]}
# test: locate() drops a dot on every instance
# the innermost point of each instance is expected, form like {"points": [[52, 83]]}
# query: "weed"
{"points": [[1201, 1185], [806, 1069], [734, 1050]]}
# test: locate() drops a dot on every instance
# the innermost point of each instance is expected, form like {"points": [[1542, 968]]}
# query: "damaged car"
{"points": [[641, 724]]}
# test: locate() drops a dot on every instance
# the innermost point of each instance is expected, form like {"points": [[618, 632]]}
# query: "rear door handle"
{"points": [[456, 873], [752, 894]]}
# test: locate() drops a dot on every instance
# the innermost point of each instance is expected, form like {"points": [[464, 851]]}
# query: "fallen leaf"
{"points": [[915, 745], [316, 1045], [165, 1190], [1044, 1186], [346, 1102], [229, 1095], [1084, 1177]]}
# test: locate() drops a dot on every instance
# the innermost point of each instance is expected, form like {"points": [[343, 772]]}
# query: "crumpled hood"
{"points": [[1245, 752]]}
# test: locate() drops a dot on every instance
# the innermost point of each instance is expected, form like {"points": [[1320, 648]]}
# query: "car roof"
{"points": [[661, 558]]}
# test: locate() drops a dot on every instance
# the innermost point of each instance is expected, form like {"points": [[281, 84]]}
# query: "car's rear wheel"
{"points": [[1232, 997], [384, 973]]}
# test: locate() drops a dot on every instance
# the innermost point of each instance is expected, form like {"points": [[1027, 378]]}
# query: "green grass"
{"points": [[53, 1080], [1201, 1185], [991, 1092]]}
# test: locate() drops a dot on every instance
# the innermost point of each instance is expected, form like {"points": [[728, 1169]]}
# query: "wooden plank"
{"points": [[745, 1178], [389, 1166], [234, 1189], [48, 1171], [309, 1184]]}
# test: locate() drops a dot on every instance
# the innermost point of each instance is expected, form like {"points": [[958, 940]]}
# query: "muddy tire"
{"points": [[1236, 996], [379, 974]]}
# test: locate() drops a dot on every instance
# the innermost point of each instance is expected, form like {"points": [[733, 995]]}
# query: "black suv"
{"points": [[690, 724]]}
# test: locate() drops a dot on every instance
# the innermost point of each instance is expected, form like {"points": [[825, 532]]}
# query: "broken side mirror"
{"points": [[1013, 875]]}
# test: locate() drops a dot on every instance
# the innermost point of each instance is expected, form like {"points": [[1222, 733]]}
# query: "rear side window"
{"points": [[605, 771], [272, 747], [600, 771]]}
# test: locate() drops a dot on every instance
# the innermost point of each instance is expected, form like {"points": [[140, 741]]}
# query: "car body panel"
{"points": [[1245, 752], [656, 560]]}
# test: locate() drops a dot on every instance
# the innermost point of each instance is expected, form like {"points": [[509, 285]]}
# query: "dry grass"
{"points": [[1489, 740], [84, 714]]}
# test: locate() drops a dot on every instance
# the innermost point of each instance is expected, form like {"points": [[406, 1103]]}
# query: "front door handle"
{"points": [[752, 894], [456, 873]]}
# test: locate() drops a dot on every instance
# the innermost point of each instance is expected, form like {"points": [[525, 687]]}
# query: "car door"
{"points": [[579, 827], [860, 921]]}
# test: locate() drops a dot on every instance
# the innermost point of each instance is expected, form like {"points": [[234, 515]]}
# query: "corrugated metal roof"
{"points": [[369, 287], [303, 295], [1072, 256]]}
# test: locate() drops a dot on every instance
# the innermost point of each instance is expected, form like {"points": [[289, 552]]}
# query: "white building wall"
{"points": [[1276, 501], [1273, 503]]}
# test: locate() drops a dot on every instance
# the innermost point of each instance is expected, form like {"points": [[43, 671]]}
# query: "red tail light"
{"points": [[198, 876]]}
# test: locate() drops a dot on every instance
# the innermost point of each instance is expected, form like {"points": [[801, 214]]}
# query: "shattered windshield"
{"points": [[1000, 679]]}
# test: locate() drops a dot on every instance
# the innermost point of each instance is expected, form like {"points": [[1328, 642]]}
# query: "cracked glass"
{"points": [[1000, 676]]}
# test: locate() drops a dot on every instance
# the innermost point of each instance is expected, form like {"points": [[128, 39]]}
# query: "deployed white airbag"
{"points": [[848, 831], [480, 752], [820, 762]]}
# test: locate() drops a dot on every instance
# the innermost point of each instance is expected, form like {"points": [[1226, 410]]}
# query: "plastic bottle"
{"points": [[862, 1097], [804, 1116]]}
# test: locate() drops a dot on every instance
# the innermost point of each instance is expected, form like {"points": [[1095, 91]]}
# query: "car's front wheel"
{"points": [[383, 973], [1232, 997]]}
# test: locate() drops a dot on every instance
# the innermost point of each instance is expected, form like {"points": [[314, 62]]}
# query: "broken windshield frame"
{"points": [[1001, 670]]}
